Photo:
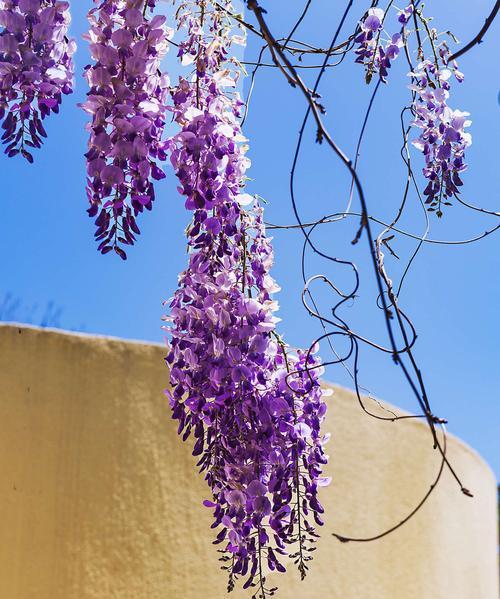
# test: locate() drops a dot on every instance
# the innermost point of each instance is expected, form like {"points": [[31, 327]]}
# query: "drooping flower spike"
{"points": [[375, 53], [253, 406], [36, 69], [443, 139], [127, 98]]}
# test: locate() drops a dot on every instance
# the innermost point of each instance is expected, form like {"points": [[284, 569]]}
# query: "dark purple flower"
{"points": [[252, 405], [374, 52], [443, 139], [127, 102], [36, 69]]}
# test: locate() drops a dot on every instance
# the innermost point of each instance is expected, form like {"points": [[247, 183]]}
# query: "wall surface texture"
{"points": [[99, 499]]}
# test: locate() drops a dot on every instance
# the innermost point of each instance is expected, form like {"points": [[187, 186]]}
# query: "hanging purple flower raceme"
{"points": [[373, 51], [367, 39], [36, 69], [443, 139], [253, 407], [127, 100]]}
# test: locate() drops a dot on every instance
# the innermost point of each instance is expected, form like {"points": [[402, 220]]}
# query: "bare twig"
{"points": [[479, 37]]}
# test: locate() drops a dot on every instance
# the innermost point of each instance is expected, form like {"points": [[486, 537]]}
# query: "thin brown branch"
{"points": [[479, 37]]}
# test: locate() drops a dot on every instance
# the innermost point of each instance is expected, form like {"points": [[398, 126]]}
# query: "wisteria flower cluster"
{"points": [[373, 52], [127, 99], [36, 69], [253, 407], [443, 139]]}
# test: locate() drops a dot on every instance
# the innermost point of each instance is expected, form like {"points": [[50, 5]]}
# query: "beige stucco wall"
{"points": [[99, 499]]}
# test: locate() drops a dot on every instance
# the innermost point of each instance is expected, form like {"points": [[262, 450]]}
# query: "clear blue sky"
{"points": [[452, 293]]}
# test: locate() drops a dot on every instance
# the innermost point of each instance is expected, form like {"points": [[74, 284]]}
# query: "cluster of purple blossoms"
{"points": [[368, 40], [36, 69], [127, 100], [373, 52], [443, 139], [253, 407]]}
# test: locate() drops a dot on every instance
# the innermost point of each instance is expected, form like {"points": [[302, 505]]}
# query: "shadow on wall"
{"points": [[48, 315]]}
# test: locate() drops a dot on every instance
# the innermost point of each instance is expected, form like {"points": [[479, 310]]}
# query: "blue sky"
{"points": [[451, 293]]}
